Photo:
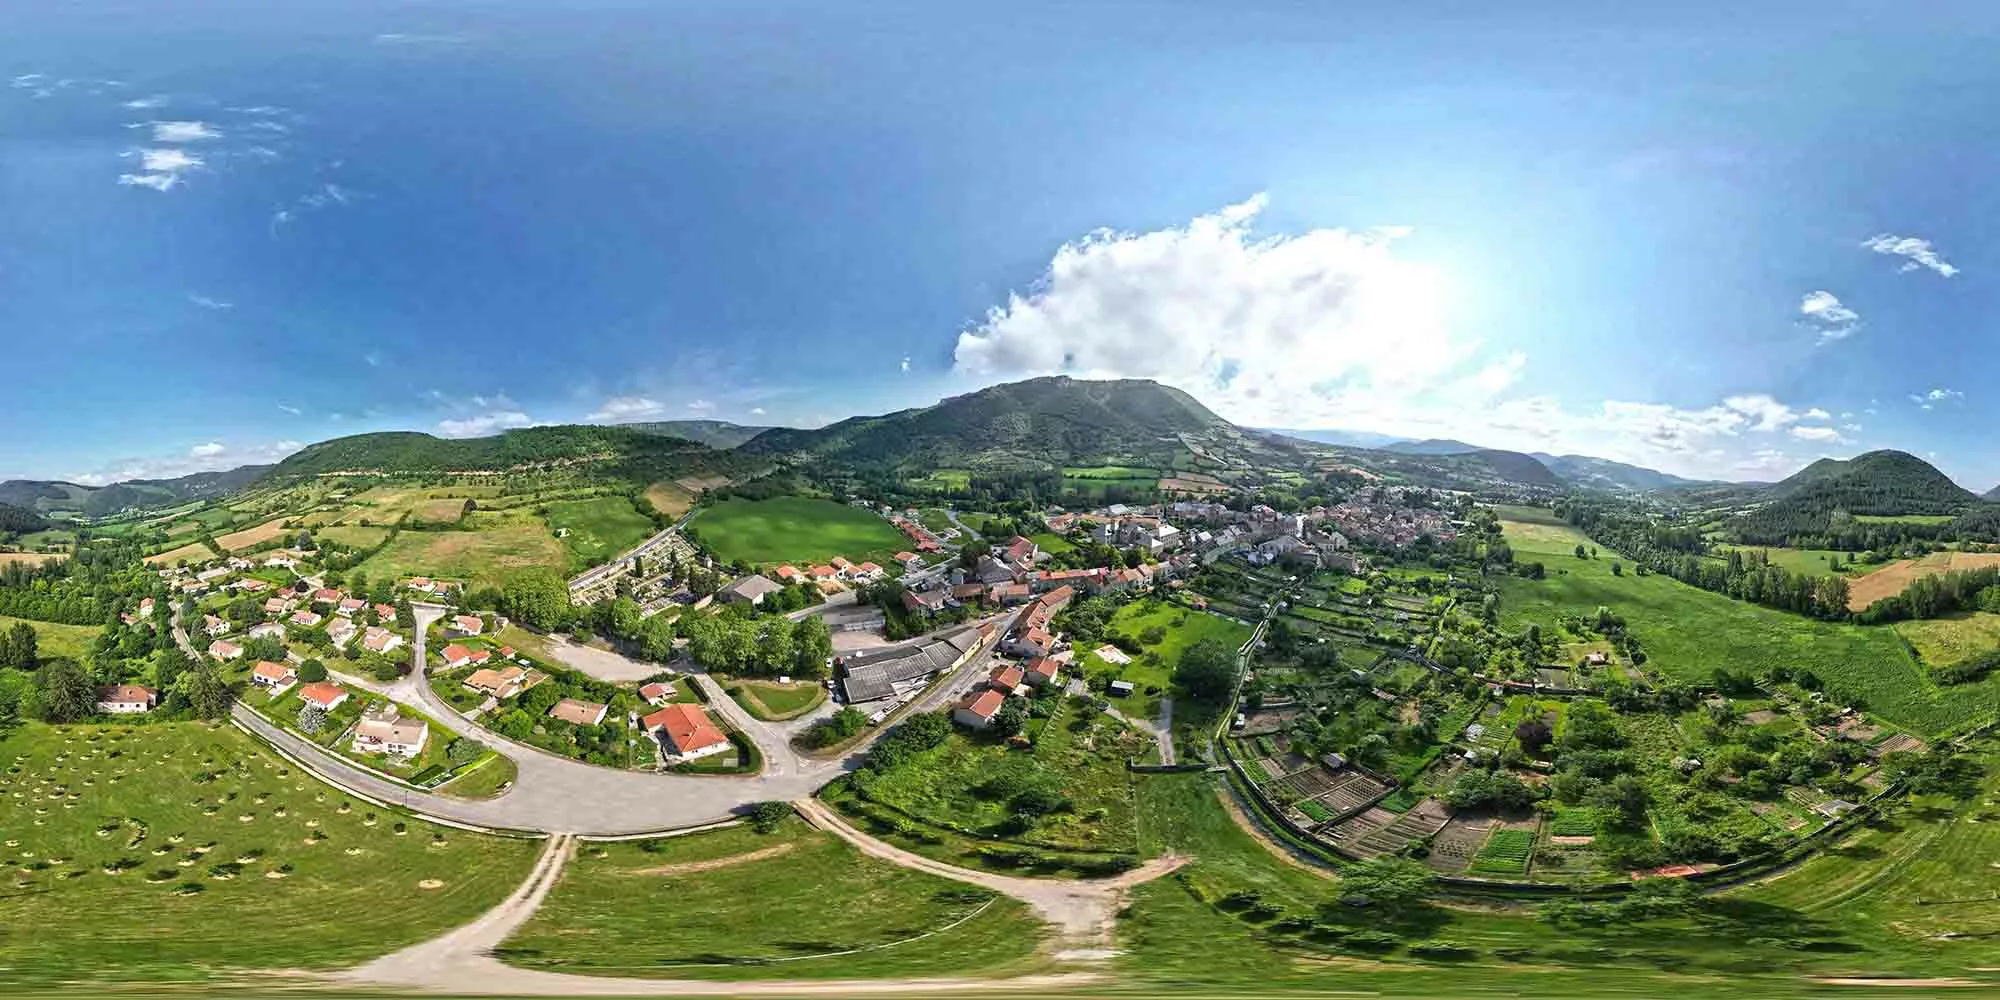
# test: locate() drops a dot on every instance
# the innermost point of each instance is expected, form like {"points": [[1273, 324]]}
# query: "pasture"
{"points": [[354, 535], [1940, 641], [53, 640], [481, 558], [738, 904], [192, 552], [598, 530], [237, 541], [1688, 633], [1810, 562], [157, 852], [1152, 671], [795, 530], [1891, 579]]}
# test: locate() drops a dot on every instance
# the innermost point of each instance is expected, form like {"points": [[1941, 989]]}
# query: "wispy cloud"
{"points": [[484, 424], [326, 195], [207, 456], [1825, 435], [146, 103], [1929, 400], [756, 411], [181, 132], [372, 359], [406, 38], [621, 409], [160, 169], [293, 410], [701, 406], [206, 302], [1915, 251], [1825, 314]]}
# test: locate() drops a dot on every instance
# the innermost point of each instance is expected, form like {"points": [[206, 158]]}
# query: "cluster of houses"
{"points": [[978, 709], [343, 616]]}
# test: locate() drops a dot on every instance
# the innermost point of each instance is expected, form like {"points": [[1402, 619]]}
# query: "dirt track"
{"points": [[696, 867]]}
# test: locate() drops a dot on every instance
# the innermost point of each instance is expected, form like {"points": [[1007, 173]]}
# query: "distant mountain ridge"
{"points": [[1603, 473], [58, 497], [719, 434], [1434, 446], [620, 450]]}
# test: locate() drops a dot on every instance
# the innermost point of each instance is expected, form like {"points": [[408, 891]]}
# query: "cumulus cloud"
{"points": [[1263, 327], [620, 409], [484, 424], [1916, 253], [1928, 400], [906, 363], [209, 450], [756, 411], [1818, 414], [1825, 314], [1822, 434], [160, 169], [701, 406]]}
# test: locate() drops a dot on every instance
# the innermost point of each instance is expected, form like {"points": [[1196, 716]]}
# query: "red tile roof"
{"points": [[687, 727], [322, 693], [985, 704]]}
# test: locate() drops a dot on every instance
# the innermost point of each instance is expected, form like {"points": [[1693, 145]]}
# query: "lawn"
{"points": [[774, 702], [216, 838], [1152, 672], [738, 904], [1688, 633], [795, 530], [57, 641], [485, 558], [966, 785], [599, 530], [1051, 543]]}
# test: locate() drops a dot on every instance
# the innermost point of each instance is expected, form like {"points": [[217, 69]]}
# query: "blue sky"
{"points": [[1652, 234]]}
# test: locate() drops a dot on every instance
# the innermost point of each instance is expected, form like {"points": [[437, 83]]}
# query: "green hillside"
{"points": [[610, 451]]}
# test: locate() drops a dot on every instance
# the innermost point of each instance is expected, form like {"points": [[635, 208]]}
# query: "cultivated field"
{"points": [[671, 499], [1689, 633], [599, 529], [1891, 579], [795, 530], [178, 851], [482, 558], [53, 640], [28, 558], [192, 552], [355, 535], [738, 904], [240, 540]]}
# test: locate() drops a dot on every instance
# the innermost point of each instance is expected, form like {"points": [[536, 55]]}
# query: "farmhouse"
{"points": [[685, 732], [276, 677], [978, 709], [325, 695], [224, 650], [751, 589], [391, 735], [578, 713], [126, 699]]}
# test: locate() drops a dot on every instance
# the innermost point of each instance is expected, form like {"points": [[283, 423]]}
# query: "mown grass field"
{"points": [[774, 702], [1947, 640], [1853, 914], [795, 530], [237, 541], [355, 535], [738, 904], [482, 558], [1811, 562], [28, 558], [54, 640], [1689, 633], [1051, 543], [192, 552], [599, 529], [276, 857]]}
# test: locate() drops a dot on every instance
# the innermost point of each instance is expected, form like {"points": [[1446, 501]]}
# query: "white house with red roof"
{"points": [[224, 650], [326, 695], [978, 709], [468, 624], [274, 677], [306, 619], [380, 640], [456, 656], [657, 693], [685, 732], [350, 606]]}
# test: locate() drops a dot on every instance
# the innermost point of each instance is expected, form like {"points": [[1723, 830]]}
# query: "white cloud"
{"points": [[756, 411], [1930, 399], [408, 38], [160, 169], [1263, 327], [1768, 413], [288, 408], [484, 424], [146, 103], [1916, 253], [181, 132], [1822, 434], [1825, 314], [208, 457], [701, 406], [1851, 428], [1818, 414], [210, 303], [619, 409], [372, 359], [906, 363]]}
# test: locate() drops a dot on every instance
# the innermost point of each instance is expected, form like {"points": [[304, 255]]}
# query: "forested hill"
{"points": [[20, 521], [50, 497], [1041, 422], [611, 450], [1605, 474], [713, 433], [1992, 495], [1820, 501]]}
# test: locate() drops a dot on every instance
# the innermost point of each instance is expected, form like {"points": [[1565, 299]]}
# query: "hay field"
{"points": [[1891, 579]]}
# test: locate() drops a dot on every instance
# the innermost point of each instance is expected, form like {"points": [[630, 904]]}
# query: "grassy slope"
{"points": [[1947, 640], [1861, 903], [599, 529], [796, 530], [1688, 632], [609, 916], [333, 910], [485, 557], [53, 640]]}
